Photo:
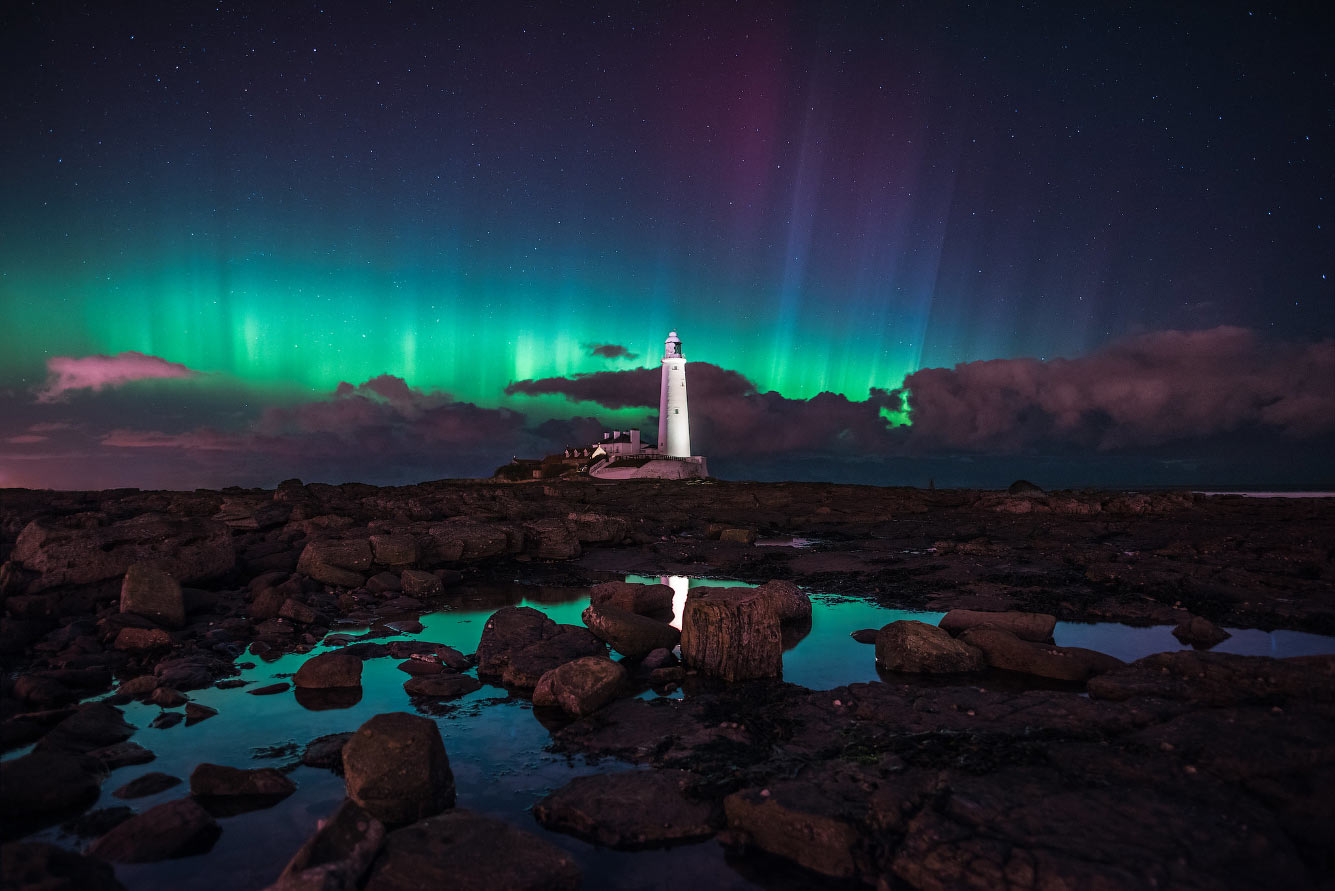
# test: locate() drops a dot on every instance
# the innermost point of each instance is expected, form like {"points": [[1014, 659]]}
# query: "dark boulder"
{"points": [[791, 603], [152, 593], [628, 633], [1027, 626], [917, 647], [632, 597], [396, 768], [174, 829], [571, 642], [1200, 633], [580, 687], [509, 630], [41, 788], [92, 726], [329, 670]]}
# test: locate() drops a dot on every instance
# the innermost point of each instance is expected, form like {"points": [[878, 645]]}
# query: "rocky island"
{"points": [[975, 749]]}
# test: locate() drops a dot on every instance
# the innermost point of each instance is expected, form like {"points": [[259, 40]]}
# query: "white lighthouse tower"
{"points": [[674, 426]]}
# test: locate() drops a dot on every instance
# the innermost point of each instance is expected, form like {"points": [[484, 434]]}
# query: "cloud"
{"points": [[66, 373], [610, 351], [728, 415], [634, 388], [382, 430], [1139, 391]]}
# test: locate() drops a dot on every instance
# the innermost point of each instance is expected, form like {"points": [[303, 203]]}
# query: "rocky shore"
{"points": [[986, 756]]}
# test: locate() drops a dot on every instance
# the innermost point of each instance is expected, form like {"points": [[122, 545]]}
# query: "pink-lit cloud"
{"points": [[1139, 391], [68, 373]]}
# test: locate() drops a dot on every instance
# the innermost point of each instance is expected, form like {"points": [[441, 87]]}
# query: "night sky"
{"points": [[1086, 244]]}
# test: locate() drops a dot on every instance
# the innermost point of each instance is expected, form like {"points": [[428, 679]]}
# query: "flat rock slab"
{"points": [[1027, 626], [628, 810], [444, 685], [465, 851]]}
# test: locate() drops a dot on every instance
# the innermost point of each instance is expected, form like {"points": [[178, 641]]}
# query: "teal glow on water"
{"points": [[497, 748]]}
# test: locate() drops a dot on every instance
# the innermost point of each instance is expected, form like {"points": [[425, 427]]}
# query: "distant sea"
{"points": [[1261, 494]]}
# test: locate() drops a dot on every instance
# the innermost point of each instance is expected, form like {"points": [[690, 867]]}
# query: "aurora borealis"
{"points": [[821, 198]]}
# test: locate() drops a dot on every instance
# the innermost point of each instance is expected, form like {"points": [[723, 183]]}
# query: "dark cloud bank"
{"points": [[1217, 407]]}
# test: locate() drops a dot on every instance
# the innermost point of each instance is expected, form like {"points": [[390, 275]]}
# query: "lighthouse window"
{"points": [[676, 411]]}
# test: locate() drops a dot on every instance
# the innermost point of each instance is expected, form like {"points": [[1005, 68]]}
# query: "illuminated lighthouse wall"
{"points": [[674, 426]]}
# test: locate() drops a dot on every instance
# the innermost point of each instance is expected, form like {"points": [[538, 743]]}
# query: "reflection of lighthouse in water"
{"points": [[679, 585], [674, 425]]}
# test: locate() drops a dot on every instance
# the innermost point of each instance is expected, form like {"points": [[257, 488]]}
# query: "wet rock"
{"points": [[632, 597], [1027, 626], [913, 646], [41, 788], [227, 791], [1200, 632], [326, 752], [418, 667], [329, 670], [1006, 651], [121, 754], [165, 720], [337, 855], [448, 656], [149, 592], [659, 658], [396, 768], [417, 583], [38, 866], [628, 633], [98, 822], [466, 851], [580, 687], [790, 602], [270, 689], [509, 630], [142, 639], [148, 784], [194, 672], [92, 726], [865, 635], [445, 685], [394, 550], [628, 810], [194, 713], [179, 828], [571, 642], [731, 633]]}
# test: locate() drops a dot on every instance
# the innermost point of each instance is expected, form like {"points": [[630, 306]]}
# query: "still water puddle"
{"points": [[497, 748]]}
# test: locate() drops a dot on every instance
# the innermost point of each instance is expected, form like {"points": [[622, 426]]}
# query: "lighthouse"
{"points": [[674, 426]]}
